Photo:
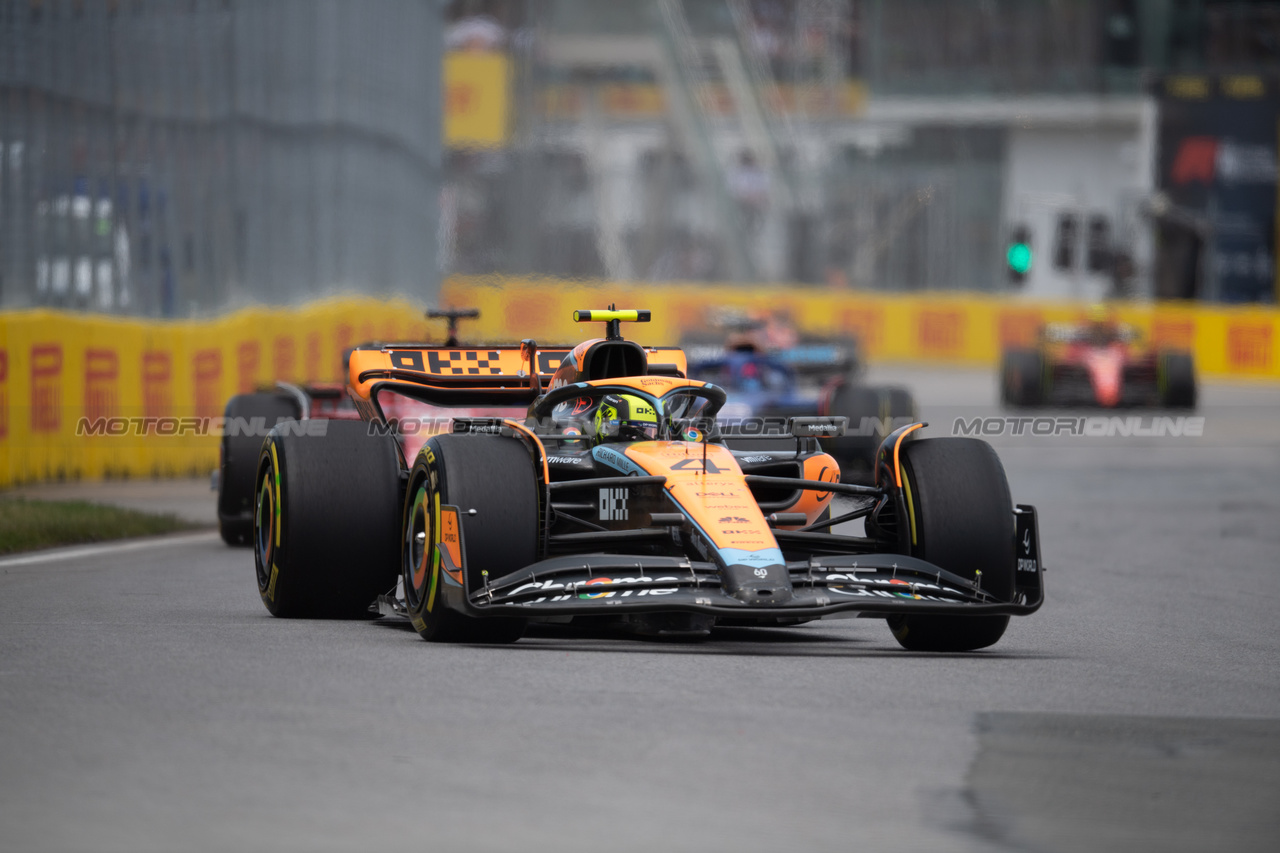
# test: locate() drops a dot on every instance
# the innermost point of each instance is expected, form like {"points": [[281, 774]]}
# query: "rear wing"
{"points": [[501, 375], [454, 376], [820, 357]]}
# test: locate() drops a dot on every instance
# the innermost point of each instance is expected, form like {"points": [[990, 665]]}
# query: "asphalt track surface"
{"points": [[148, 702]]}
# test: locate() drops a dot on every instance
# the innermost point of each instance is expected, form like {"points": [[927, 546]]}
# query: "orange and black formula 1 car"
{"points": [[616, 498]]}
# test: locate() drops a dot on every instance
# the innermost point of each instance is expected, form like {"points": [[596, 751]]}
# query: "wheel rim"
{"points": [[417, 548], [264, 529]]}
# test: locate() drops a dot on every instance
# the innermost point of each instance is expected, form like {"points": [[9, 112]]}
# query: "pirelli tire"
{"points": [[961, 519], [326, 519], [1176, 380], [873, 412], [246, 419], [1022, 380], [490, 479]]}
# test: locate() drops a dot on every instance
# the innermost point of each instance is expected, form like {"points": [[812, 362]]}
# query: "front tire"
{"points": [[327, 519], [1176, 379], [961, 520], [1022, 378], [494, 479]]}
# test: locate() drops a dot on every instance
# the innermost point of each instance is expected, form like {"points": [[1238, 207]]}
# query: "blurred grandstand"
{"points": [[175, 159]]}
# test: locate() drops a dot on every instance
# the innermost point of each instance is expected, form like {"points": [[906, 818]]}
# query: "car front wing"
{"points": [[867, 584]]}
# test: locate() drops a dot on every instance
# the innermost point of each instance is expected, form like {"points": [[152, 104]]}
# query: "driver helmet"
{"points": [[625, 417], [1100, 325]]}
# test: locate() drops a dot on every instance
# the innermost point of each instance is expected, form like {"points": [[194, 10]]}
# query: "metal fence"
{"points": [[171, 158]]}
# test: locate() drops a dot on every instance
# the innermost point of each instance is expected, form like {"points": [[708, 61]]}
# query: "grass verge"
{"points": [[27, 525]]}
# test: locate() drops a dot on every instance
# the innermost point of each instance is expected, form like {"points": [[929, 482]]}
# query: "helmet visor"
{"points": [[637, 430]]}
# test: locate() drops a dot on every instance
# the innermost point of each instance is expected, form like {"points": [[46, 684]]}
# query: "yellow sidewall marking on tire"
{"points": [[271, 587], [275, 470]]}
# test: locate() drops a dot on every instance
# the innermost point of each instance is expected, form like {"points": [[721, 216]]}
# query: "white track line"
{"points": [[57, 554]]}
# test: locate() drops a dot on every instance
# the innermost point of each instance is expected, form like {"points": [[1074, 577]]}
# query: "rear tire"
{"points": [[239, 459], [327, 519], [902, 406], [494, 478], [880, 405], [959, 499], [1176, 379]]}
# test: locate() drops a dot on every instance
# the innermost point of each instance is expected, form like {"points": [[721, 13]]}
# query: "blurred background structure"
{"points": [[179, 158], [176, 158]]}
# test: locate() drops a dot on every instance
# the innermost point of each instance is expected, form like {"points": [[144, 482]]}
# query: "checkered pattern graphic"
{"points": [[456, 362]]}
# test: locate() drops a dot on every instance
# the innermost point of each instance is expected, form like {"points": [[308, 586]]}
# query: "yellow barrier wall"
{"points": [[931, 328], [57, 368]]}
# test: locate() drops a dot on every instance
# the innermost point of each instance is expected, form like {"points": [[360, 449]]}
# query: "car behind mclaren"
{"points": [[772, 373]]}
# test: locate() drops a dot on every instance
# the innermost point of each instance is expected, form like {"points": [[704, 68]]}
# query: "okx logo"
{"points": [[613, 504]]}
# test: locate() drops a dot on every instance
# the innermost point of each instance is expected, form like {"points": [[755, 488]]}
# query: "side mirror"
{"points": [[822, 427]]}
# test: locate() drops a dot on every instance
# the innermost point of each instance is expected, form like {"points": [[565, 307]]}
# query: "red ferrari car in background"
{"points": [[1098, 362]]}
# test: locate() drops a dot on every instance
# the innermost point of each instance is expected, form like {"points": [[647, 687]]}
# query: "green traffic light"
{"points": [[1019, 257]]}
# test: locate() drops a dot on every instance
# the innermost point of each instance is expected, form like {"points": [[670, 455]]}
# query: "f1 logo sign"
{"points": [[613, 504]]}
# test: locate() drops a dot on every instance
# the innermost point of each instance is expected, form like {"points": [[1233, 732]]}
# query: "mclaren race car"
{"points": [[1098, 362], [615, 498]]}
